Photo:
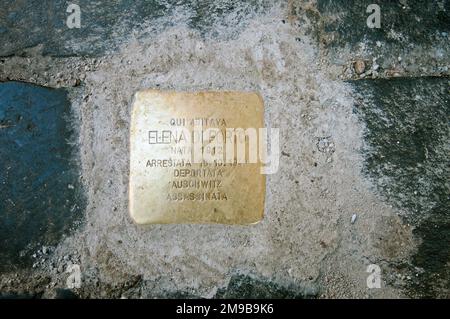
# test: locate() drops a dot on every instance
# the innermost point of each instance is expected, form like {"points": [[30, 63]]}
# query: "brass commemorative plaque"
{"points": [[186, 160]]}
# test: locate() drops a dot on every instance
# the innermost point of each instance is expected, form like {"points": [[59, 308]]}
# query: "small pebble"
{"points": [[359, 66]]}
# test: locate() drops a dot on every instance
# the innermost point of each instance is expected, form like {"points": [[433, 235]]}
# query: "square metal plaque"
{"points": [[181, 170]]}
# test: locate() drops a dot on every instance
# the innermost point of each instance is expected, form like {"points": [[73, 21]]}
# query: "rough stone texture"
{"points": [[412, 41], [407, 151], [40, 191], [249, 287], [25, 24], [307, 245]]}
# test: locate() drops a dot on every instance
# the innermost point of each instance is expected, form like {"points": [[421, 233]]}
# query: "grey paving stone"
{"points": [[416, 20], [407, 136], [416, 31], [104, 24], [41, 197], [250, 287], [22, 25]]}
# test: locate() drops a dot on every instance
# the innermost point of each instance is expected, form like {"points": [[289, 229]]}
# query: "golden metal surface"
{"points": [[166, 189]]}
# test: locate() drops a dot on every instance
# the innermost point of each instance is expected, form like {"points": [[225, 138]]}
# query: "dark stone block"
{"points": [[104, 24], [65, 294], [407, 157], [40, 192], [5, 295], [416, 20], [249, 287], [417, 31], [22, 25]]}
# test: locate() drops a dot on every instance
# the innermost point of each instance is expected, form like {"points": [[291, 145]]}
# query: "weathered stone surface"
{"points": [[40, 191], [64, 294], [412, 39], [418, 21], [104, 25], [407, 148], [22, 25], [5, 295], [250, 287]]}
